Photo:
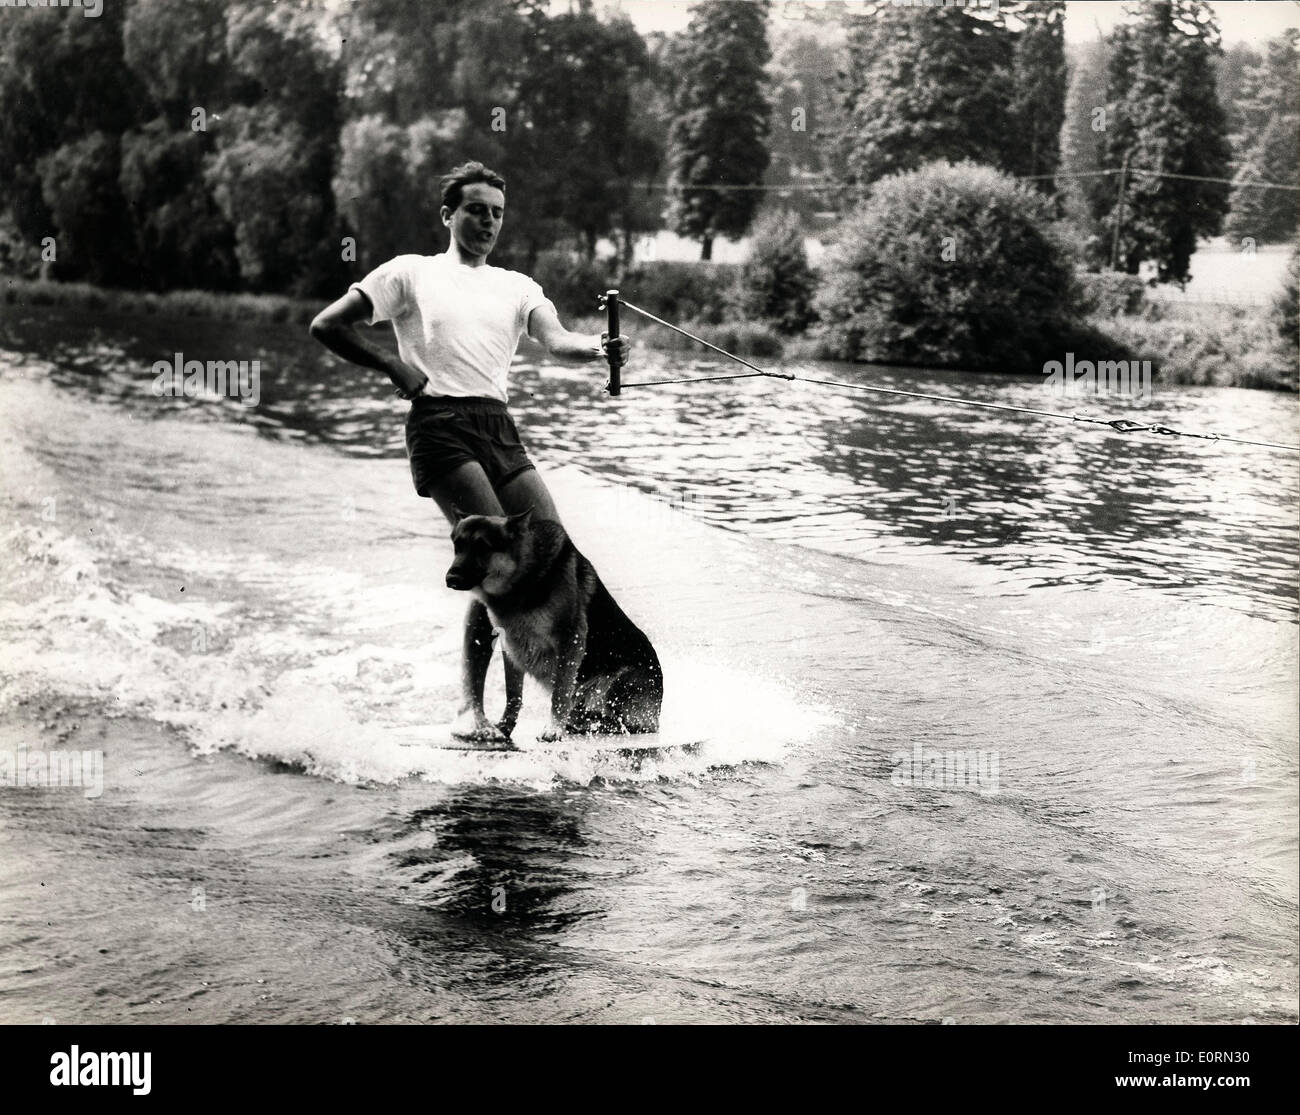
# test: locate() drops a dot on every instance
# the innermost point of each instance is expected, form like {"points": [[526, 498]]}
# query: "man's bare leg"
{"points": [[527, 490], [522, 492], [468, 489]]}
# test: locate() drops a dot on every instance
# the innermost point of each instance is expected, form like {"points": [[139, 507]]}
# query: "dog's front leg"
{"points": [[514, 695], [572, 650]]}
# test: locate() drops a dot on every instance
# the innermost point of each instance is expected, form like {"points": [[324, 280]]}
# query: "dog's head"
{"points": [[489, 551]]}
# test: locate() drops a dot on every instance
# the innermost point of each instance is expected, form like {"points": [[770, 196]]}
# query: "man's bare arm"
{"points": [[335, 328]]}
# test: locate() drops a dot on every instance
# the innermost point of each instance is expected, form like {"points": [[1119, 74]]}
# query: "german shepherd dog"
{"points": [[559, 624]]}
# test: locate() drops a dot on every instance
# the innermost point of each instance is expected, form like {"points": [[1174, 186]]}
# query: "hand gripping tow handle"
{"points": [[609, 300]]}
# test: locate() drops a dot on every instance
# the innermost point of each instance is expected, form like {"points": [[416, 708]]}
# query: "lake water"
{"points": [[242, 608]]}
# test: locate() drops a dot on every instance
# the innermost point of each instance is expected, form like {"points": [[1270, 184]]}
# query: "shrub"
{"points": [[1286, 306], [776, 283], [1110, 293], [949, 265], [743, 339], [677, 292], [571, 281]]}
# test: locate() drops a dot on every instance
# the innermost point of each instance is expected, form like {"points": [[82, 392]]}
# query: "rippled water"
{"points": [[242, 608]]}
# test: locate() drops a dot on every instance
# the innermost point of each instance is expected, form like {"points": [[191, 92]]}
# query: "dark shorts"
{"points": [[445, 431]]}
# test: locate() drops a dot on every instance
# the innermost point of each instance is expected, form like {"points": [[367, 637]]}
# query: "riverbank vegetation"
{"points": [[987, 195]]}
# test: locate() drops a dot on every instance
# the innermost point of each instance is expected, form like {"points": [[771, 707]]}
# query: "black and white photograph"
{"points": [[649, 513]]}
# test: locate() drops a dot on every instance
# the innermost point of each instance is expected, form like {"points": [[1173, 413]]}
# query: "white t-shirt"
{"points": [[459, 325]]}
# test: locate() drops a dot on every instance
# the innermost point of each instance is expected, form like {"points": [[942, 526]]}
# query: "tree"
{"points": [[386, 185], [288, 84], [1269, 87], [408, 59], [177, 49], [1084, 186], [262, 179], [179, 235], [805, 114], [927, 83], [921, 273], [1038, 98], [61, 80], [721, 121], [1166, 121], [178, 53], [79, 187], [776, 284], [575, 95], [1259, 212], [1230, 77], [1268, 145], [1286, 306]]}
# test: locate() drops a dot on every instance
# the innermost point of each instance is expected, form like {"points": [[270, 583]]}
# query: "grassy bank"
{"points": [[1192, 344], [211, 305], [1226, 346]]}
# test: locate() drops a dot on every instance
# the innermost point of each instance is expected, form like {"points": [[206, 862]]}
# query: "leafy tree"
{"points": [[1267, 215], [1167, 121], [80, 188], [258, 176], [177, 49], [575, 94], [386, 186], [1084, 189], [721, 121], [298, 111], [180, 236], [1038, 98], [1268, 145], [1230, 77], [806, 120], [776, 283], [406, 59], [1286, 307], [1269, 87], [61, 80], [924, 84], [920, 273]]}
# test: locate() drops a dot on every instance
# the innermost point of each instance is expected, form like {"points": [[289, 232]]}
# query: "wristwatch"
{"points": [[410, 395]]}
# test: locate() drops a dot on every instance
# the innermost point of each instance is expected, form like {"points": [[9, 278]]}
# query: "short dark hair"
{"points": [[455, 180]]}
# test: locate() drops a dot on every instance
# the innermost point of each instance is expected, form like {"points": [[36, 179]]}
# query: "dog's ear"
{"points": [[520, 521]]}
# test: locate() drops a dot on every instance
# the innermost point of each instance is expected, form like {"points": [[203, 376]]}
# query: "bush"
{"points": [[741, 338], [949, 265], [1110, 293], [1223, 346], [571, 282], [776, 284], [678, 292], [1286, 306], [210, 305]]}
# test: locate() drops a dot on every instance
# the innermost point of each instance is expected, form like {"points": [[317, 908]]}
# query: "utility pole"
{"points": [[1119, 215]]}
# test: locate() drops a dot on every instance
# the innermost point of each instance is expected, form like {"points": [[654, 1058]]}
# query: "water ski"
{"points": [[525, 742]]}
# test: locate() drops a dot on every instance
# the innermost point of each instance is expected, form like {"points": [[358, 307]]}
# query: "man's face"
{"points": [[476, 223]]}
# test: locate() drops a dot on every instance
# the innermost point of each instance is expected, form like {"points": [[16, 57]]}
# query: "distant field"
{"points": [[1221, 271]]}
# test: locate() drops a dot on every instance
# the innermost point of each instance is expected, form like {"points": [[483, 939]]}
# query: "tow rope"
{"points": [[610, 302]]}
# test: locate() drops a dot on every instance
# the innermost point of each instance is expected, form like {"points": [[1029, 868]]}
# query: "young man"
{"points": [[458, 322]]}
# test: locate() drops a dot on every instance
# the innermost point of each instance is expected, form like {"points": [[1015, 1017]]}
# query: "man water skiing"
{"points": [[458, 322]]}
